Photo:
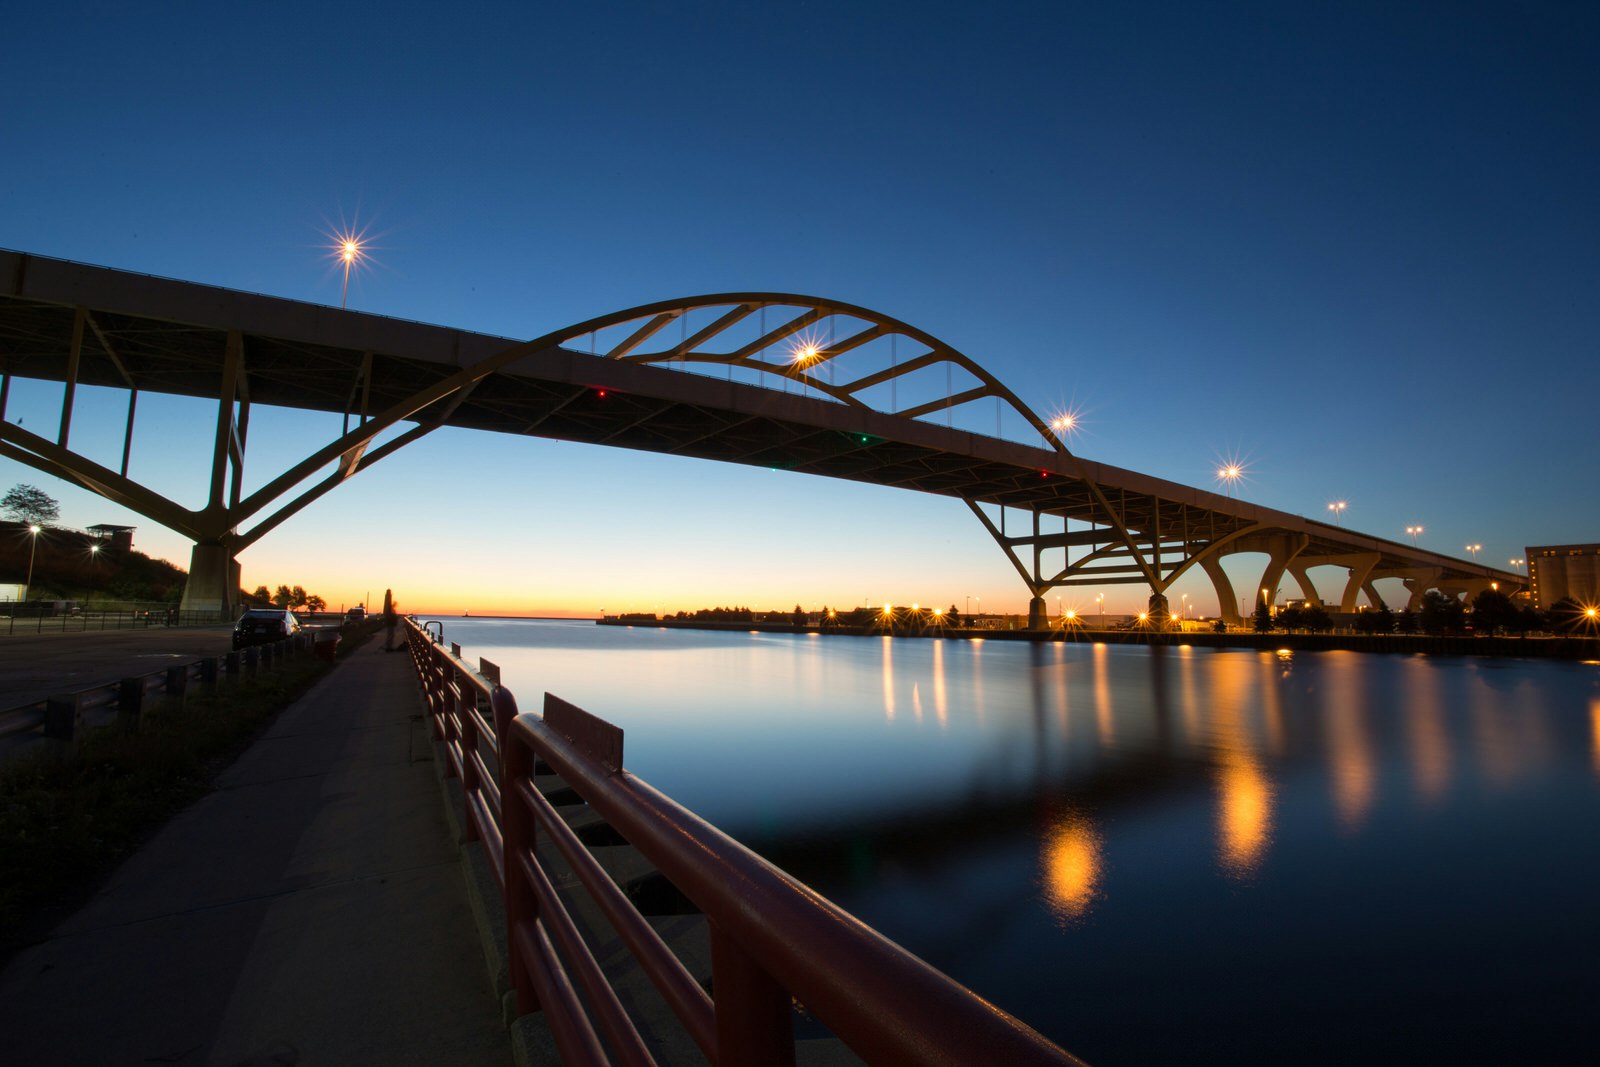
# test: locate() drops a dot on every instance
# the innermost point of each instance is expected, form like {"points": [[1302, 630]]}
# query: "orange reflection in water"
{"points": [[1244, 818], [941, 705], [1352, 764], [1432, 763], [888, 677], [1072, 864], [1102, 695], [1594, 725]]}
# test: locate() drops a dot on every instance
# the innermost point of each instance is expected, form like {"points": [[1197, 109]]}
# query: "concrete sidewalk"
{"points": [[310, 910]]}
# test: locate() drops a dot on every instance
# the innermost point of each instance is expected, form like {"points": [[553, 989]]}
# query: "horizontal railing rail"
{"points": [[774, 943]]}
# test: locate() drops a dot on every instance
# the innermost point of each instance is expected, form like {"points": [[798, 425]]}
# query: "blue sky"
{"points": [[1359, 248]]}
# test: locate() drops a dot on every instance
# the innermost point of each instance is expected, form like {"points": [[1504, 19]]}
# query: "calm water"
{"points": [[1151, 855]]}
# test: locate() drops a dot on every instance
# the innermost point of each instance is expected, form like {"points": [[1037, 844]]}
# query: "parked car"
{"points": [[260, 626]]}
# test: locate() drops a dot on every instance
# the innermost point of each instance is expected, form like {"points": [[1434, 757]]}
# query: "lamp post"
{"points": [[1100, 608], [1474, 549], [33, 529], [1337, 507], [1413, 531], [1517, 563]]}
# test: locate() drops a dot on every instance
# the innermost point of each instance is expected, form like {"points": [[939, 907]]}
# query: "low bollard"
{"points": [[177, 684], [130, 704], [327, 644], [63, 720]]}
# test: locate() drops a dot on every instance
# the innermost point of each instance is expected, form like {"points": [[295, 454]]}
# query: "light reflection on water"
{"points": [[1392, 853]]}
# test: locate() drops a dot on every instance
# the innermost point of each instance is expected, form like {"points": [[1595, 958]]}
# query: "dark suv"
{"points": [[260, 626]]}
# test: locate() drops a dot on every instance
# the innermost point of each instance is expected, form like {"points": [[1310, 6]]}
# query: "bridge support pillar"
{"points": [[1418, 582], [1360, 578], [1282, 551], [1373, 597], [213, 584], [1227, 603], [1038, 616], [1308, 588]]}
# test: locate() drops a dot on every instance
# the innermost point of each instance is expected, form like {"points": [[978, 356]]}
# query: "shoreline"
{"points": [[1565, 648]]}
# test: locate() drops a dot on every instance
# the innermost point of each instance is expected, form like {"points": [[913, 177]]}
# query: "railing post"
{"points": [[232, 664], [517, 833], [266, 657], [250, 659], [470, 782], [209, 669], [63, 716], [130, 704], [753, 1024], [177, 683]]}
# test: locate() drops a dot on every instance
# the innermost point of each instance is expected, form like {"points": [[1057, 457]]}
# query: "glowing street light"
{"points": [[1337, 507], [1517, 563], [351, 252], [1413, 531], [33, 528], [1474, 549], [1229, 475]]}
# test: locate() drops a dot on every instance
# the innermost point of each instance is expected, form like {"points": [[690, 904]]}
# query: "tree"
{"points": [[29, 505], [1291, 618], [1493, 611], [1316, 619], [1565, 614], [1263, 622], [283, 597], [262, 595], [953, 616], [1407, 622], [799, 617], [297, 597], [1441, 614], [315, 603]]}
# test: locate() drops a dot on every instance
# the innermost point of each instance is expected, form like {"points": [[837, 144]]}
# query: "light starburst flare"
{"points": [[350, 249]]}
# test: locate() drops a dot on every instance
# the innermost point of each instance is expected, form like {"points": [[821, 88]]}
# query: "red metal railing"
{"points": [[774, 942]]}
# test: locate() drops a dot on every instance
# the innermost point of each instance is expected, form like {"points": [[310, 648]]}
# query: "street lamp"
{"points": [[1100, 608], [1337, 507], [33, 528], [1229, 475], [1474, 549], [1413, 531], [1517, 563]]}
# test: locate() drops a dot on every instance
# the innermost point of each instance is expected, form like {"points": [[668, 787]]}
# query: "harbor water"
{"points": [[1152, 855]]}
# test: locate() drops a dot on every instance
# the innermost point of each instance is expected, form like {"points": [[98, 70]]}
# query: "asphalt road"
{"points": [[36, 666]]}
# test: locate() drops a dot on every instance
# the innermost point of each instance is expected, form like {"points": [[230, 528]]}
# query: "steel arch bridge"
{"points": [[769, 379]]}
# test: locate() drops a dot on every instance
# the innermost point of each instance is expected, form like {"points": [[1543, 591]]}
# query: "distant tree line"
{"points": [[1491, 612], [295, 598]]}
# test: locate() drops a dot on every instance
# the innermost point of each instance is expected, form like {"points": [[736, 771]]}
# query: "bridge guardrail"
{"points": [[774, 943], [64, 718]]}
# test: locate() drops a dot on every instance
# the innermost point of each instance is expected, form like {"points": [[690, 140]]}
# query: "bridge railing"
{"points": [[774, 943]]}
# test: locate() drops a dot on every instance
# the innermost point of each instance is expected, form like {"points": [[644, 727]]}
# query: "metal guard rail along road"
{"points": [[773, 941], [66, 717]]}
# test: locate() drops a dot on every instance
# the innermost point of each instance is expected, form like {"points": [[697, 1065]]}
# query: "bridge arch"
{"points": [[1082, 522]]}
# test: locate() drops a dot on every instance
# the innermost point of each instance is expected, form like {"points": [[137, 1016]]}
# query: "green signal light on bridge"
{"points": [[866, 439]]}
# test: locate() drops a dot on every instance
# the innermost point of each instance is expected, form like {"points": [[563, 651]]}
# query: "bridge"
{"points": [[776, 380]]}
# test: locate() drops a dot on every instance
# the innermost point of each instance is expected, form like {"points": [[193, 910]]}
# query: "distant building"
{"points": [[119, 536], [1559, 571]]}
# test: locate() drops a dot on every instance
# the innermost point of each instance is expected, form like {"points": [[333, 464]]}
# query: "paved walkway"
{"points": [[310, 910]]}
